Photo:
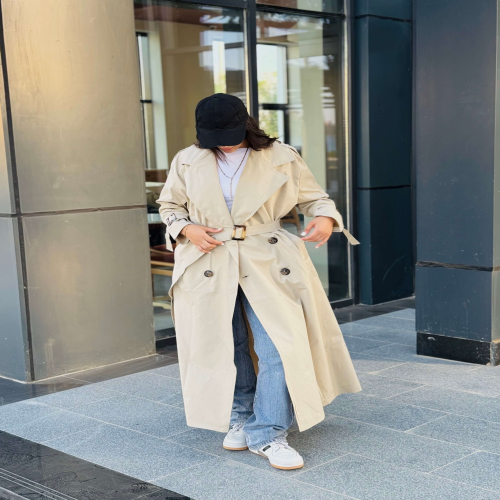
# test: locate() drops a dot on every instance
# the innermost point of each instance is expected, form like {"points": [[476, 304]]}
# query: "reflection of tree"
{"points": [[268, 120]]}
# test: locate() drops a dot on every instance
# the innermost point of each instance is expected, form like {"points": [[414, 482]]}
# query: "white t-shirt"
{"points": [[229, 168]]}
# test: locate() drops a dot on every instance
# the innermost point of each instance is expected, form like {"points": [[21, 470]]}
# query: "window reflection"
{"points": [[186, 52], [330, 6], [300, 98]]}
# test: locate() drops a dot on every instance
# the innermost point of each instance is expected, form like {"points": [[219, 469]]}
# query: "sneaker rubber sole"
{"points": [[277, 466], [235, 449]]}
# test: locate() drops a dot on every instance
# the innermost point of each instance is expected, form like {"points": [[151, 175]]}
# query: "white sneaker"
{"points": [[235, 439], [280, 454]]}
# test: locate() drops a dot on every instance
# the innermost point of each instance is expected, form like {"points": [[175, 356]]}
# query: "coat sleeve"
{"points": [[173, 203], [313, 201]]}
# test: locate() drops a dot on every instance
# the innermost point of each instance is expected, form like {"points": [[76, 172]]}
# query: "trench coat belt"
{"points": [[240, 232]]}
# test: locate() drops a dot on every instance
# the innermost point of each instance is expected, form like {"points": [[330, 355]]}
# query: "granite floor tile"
{"points": [[311, 445], [356, 344], [465, 431], [23, 412], [149, 417], [203, 440], [492, 370], [173, 400], [383, 412], [145, 385], [386, 321], [54, 425], [480, 469], [379, 443], [383, 387], [364, 363], [460, 378], [353, 328], [171, 371], [228, 480], [460, 403], [132, 453], [364, 479], [89, 393], [404, 313], [390, 336]]}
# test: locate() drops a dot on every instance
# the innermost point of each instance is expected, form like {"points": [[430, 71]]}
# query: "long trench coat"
{"points": [[278, 278]]}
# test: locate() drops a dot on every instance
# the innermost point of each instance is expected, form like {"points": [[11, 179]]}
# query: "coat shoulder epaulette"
{"points": [[290, 147]]}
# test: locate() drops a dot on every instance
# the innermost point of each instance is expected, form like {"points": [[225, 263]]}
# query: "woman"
{"points": [[257, 339]]}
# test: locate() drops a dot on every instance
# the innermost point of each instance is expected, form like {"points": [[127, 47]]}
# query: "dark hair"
{"points": [[256, 137]]}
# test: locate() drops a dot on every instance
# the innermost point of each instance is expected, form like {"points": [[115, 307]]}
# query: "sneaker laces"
{"points": [[236, 427], [283, 443]]}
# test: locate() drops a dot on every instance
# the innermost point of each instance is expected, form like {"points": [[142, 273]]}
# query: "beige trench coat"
{"points": [[293, 307]]}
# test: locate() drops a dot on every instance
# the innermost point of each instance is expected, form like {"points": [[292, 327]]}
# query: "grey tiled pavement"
{"points": [[422, 428]]}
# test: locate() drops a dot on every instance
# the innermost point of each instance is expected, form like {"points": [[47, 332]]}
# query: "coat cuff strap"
{"points": [[352, 240], [176, 227]]}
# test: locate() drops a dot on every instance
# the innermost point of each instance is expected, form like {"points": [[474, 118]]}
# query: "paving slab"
{"points": [[383, 412], [228, 480], [77, 397], [356, 344], [173, 400], [132, 453], [404, 313], [471, 432], [352, 328], [387, 445], [23, 412], [149, 417], [364, 363], [480, 469], [145, 385], [383, 387], [457, 402], [460, 378], [388, 321], [54, 425], [364, 479], [389, 335]]}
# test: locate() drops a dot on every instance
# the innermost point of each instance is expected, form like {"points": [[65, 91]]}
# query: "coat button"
{"points": [[273, 240], [285, 271], [208, 274]]}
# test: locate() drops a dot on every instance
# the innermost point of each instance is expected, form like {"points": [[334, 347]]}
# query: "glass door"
{"points": [[300, 75], [187, 51]]}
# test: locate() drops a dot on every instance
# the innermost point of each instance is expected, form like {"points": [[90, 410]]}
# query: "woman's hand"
{"points": [[200, 238], [321, 227]]}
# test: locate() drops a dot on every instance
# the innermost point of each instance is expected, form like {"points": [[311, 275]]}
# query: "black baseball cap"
{"points": [[221, 120]]}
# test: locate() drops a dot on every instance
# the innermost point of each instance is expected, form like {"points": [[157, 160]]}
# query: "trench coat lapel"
{"points": [[204, 189], [258, 181]]}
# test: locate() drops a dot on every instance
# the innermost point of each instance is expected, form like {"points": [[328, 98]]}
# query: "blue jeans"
{"points": [[261, 402]]}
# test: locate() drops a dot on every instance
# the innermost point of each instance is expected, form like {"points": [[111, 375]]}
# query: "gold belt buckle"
{"points": [[243, 232]]}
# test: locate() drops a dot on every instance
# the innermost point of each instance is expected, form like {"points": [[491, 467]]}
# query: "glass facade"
{"points": [[328, 6], [188, 51], [299, 67]]}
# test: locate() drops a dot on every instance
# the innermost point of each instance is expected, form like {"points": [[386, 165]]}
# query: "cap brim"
{"points": [[221, 137]]}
